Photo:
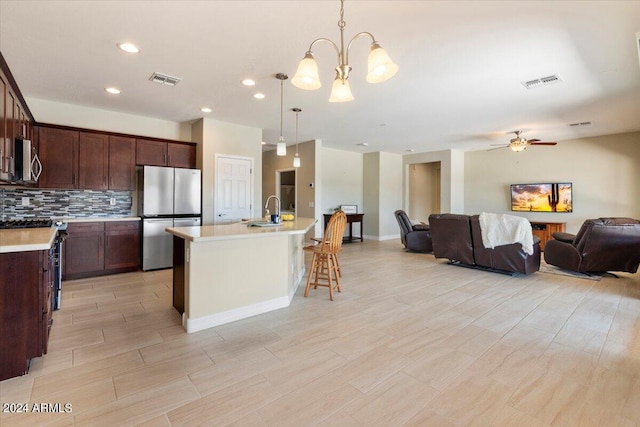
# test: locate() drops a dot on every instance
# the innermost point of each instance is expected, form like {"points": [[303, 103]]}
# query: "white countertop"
{"points": [[97, 219], [27, 239], [240, 230]]}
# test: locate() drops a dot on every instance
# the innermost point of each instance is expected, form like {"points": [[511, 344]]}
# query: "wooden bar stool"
{"points": [[325, 270]]}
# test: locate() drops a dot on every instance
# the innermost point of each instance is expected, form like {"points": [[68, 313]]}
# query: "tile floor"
{"points": [[411, 341]]}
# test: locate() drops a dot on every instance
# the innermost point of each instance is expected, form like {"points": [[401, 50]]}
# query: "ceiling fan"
{"points": [[519, 143]]}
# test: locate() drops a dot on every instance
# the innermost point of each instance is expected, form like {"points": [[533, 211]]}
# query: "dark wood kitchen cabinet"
{"points": [[122, 247], [101, 248], [26, 280], [93, 165], [58, 151], [161, 153], [122, 163], [83, 249]]}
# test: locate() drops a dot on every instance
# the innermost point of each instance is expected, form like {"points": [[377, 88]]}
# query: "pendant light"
{"points": [[281, 148], [379, 66], [296, 157]]}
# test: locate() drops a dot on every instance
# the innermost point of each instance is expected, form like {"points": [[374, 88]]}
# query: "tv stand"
{"points": [[544, 230]]}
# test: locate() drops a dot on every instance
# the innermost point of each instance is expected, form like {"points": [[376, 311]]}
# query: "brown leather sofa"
{"points": [[459, 238], [416, 238], [601, 245]]}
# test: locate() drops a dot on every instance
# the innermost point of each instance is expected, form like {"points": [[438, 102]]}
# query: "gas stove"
{"points": [[27, 223]]}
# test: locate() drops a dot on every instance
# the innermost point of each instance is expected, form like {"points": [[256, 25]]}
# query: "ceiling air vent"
{"points": [[542, 81], [164, 79], [579, 124]]}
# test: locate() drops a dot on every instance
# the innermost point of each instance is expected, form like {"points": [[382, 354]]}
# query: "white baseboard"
{"points": [[381, 238], [205, 322]]}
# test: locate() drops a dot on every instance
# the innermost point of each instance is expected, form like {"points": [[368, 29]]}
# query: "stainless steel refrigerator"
{"points": [[168, 197]]}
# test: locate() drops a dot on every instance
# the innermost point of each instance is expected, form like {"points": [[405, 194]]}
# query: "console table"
{"points": [[351, 218], [544, 230]]}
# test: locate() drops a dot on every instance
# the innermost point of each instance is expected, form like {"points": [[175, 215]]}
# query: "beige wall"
{"points": [[424, 190], [382, 194], [219, 138], [305, 175], [92, 118], [605, 172], [451, 178]]}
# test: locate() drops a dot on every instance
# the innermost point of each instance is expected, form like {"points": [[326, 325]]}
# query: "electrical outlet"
{"points": [[112, 201], [25, 201]]}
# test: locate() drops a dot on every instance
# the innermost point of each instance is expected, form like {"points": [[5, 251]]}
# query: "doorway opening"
{"points": [[286, 190], [424, 190]]}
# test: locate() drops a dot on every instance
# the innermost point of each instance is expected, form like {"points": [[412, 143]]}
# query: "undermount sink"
{"points": [[262, 224]]}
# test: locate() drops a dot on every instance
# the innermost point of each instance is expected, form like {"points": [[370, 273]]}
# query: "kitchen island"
{"points": [[224, 273]]}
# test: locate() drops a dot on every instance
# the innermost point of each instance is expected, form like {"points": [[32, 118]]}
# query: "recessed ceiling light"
{"points": [[112, 90], [264, 143], [258, 95], [205, 109], [411, 150], [129, 47], [249, 82], [363, 144]]}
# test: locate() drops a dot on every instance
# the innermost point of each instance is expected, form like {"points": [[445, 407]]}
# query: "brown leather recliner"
{"points": [[603, 244], [459, 238], [416, 238]]}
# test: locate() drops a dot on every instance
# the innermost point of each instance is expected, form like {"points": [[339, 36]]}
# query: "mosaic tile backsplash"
{"points": [[64, 203]]}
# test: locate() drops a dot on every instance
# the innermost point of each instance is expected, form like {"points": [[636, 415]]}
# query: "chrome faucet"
{"points": [[277, 211]]}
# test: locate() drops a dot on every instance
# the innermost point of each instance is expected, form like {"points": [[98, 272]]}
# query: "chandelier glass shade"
{"points": [[281, 147], [380, 67], [296, 157]]}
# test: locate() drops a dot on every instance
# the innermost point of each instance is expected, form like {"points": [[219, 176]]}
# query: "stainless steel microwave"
{"points": [[27, 166]]}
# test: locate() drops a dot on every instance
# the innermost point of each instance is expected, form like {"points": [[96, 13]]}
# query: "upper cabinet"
{"points": [[15, 120], [85, 160], [58, 151], [161, 153], [122, 163], [93, 168]]}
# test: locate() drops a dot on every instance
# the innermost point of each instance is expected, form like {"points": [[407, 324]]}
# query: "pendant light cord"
{"points": [[281, 107]]}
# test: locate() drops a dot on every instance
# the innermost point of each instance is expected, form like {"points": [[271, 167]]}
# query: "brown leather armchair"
{"points": [[416, 238], [459, 238], [603, 244]]}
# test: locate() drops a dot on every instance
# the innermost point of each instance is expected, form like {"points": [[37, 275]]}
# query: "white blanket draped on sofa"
{"points": [[501, 229]]}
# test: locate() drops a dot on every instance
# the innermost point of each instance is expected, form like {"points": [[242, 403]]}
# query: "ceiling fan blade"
{"points": [[533, 140], [498, 148], [542, 143], [499, 145]]}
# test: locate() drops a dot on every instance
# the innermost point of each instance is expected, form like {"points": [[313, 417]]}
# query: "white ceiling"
{"points": [[459, 84]]}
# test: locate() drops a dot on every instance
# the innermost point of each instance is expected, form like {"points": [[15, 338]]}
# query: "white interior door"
{"points": [[234, 189]]}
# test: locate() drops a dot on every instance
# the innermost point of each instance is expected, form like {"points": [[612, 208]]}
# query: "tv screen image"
{"points": [[551, 197]]}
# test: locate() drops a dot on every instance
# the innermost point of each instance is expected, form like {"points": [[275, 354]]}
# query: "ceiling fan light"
{"points": [[518, 147], [307, 76], [340, 91], [380, 67]]}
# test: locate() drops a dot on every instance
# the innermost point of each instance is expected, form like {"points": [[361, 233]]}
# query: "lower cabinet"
{"points": [[26, 281], [100, 248]]}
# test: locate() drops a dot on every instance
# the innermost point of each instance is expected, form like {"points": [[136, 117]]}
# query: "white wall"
{"points": [[111, 121], [341, 179], [214, 138], [605, 172]]}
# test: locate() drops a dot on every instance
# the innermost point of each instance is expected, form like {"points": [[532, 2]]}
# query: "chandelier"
{"points": [[380, 66]]}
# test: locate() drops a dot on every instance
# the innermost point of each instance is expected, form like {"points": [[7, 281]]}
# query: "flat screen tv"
{"points": [[550, 197]]}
